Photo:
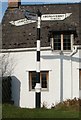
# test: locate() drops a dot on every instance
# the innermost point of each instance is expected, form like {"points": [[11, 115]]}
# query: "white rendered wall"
{"points": [[61, 69]]}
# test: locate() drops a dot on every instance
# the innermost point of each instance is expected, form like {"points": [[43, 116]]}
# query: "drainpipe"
{"points": [[51, 43], [74, 52], [71, 79]]}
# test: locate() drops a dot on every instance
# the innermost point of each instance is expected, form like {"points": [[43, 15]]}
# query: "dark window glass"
{"points": [[66, 42], [57, 42], [33, 79], [44, 79]]}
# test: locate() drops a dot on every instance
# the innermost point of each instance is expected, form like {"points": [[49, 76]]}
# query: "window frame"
{"points": [[30, 80]]}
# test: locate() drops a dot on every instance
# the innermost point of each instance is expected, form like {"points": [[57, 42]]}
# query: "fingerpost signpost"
{"points": [[32, 17]]}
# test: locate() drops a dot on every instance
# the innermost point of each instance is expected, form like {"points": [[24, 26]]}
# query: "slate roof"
{"points": [[25, 36]]}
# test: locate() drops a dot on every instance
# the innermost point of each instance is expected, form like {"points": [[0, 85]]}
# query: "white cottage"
{"points": [[60, 58]]}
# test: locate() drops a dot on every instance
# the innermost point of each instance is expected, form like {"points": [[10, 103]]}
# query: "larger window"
{"points": [[62, 41], [44, 76]]}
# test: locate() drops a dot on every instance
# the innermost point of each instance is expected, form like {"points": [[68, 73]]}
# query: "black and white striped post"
{"points": [[38, 85]]}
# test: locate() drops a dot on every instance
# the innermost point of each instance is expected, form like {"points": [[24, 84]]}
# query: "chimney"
{"points": [[14, 3]]}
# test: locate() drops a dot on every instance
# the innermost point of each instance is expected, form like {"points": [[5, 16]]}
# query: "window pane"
{"points": [[32, 79], [44, 79], [57, 42], [66, 42]]}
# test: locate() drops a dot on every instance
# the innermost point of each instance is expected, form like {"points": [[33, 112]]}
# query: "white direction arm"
{"points": [[53, 17], [22, 22]]}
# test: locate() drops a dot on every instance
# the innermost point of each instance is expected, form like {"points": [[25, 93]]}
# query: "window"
{"points": [[62, 41], [43, 80], [80, 79]]}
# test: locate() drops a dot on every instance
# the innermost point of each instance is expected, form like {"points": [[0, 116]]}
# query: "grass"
{"points": [[0, 110], [11, 111]]}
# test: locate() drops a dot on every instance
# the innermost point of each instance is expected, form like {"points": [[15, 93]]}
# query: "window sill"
{"points": [[42, 90], [59, 51]]}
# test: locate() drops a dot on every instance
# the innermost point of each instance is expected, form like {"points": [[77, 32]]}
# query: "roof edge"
{"points": [[40, 4]]}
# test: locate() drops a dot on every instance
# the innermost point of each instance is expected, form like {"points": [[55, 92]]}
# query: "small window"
{"points": [[62, 42], [80, 79], [43, 80]]}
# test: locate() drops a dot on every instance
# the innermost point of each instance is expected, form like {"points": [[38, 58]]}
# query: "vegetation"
{"points": [[73, 104], [67, 109]]}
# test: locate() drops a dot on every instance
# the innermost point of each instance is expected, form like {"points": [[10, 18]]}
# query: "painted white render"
{"points": [[63, 80]]}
